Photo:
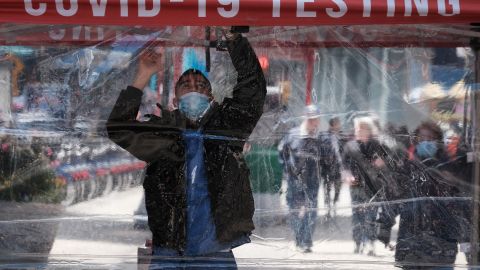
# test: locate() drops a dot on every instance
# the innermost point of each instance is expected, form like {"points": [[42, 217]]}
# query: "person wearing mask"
{"points": [[363, 157], [430, 226], [197, 188], [299, 154]]}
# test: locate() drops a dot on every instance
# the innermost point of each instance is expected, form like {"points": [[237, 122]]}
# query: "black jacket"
{"points": [[358, 157], [159, 142], [299, 154], [431, 221]]}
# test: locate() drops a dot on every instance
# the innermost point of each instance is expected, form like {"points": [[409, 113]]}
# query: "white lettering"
{"points": [[390, 8], [229, 13], [124, 8], [100, 33], [88, 33], [442, 10], [202, 8], [421, 5], [42, 8], [144, 12], [367, 8], [67, 12], [98, 9], [301, 9], [58, 34], [76, 32], [342, 9], [276, 9]]}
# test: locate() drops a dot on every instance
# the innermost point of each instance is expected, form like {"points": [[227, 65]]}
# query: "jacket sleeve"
{"points": [[127, 106], [243, 110], [251, 85], [147, 141]]}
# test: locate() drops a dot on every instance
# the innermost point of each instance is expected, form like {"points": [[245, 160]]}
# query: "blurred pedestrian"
{"points": [[331, 148], [363, 157], [432, 223], [299, 153]]}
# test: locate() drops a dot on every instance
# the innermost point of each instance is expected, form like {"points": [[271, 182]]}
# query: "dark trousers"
{"points": [[303, 227], [331, 180], [302, 194], [363, 217]]}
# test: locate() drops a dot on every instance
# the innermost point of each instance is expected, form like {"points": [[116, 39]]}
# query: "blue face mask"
{"points": [[193, 105], [427, 149]]}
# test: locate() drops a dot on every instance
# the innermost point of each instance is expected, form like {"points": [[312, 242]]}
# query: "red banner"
{"points": [[239, 12]]}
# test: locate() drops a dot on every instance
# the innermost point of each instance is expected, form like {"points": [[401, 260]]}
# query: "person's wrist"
{"points": [[139, 84]]}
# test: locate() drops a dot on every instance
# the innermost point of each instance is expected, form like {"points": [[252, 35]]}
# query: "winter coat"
{"points": [[299, 154], [431, 221], [159, 142], [358, 157], [331, 155]]}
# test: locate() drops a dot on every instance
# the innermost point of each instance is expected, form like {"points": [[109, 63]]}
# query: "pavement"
{"points": [[99, 234]]}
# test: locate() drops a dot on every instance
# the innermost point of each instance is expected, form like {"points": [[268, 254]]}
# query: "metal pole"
{"points": [[476, 152], [167, 77], [5, 94], [207, 48], [310, 55]]}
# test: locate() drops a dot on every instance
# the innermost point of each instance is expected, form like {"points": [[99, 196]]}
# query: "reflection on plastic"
{"points": [[377, 176]]}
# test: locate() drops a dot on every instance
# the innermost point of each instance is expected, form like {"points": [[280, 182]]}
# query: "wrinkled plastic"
{"points": [[71, 196]]}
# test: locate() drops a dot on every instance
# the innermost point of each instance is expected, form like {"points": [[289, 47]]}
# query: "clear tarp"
{"points": [[362, 157]]}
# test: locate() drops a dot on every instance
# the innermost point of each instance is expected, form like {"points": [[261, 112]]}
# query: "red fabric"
{"points": [[241, 12], [411, 152], [452, 147]]}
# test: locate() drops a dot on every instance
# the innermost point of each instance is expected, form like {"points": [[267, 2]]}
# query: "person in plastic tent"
{"points": [[430, 227], [363, 157], [197, 190], [299, 154], [331, 163]]}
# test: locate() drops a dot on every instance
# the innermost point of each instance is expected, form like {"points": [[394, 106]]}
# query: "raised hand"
{"points": [[227, 33], [151, 62]]}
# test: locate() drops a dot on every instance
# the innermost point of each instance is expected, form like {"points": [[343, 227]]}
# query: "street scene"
{"points": [[237, 134]]}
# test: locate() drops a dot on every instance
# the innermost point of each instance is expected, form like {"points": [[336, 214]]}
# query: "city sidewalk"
{"points": [[104, 236]]}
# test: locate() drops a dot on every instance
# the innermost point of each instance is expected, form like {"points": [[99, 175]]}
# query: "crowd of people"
{"points": [[392, 174]]}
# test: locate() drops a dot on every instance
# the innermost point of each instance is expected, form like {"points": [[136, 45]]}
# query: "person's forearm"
{"points": [[243, 57], [141, 81], [251, 86]]}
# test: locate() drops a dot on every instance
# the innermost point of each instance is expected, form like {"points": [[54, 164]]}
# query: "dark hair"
{"points": [[193, 71], [433, 127], [333, 120]]}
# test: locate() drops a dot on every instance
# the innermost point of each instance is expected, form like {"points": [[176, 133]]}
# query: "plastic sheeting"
{"points": [[391, 187]]}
